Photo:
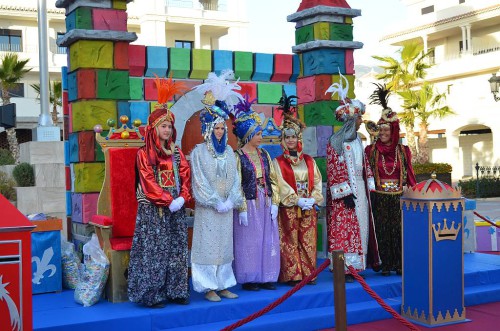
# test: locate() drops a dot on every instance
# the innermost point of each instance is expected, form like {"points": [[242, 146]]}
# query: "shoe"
{"points": [[349, 278], [212, 296], [180, 301], [386, 273], [312, 282], [250, 287], [267, 286], [158, 305], [228, 294], [292, 283]]}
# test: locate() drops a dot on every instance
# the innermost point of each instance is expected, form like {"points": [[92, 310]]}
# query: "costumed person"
{"points": [[300, 188], [349, 219], [158, 267], [391, 164], [217, 190], [256, 237]]}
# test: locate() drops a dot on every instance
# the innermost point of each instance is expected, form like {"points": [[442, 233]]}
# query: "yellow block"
{"points": [[350, 92], [321, 31], [88, 177], [348, 20], [91, 54], [86, 114], [300, 111], [119, 4]]}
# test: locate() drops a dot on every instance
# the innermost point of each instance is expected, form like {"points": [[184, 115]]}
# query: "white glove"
{"points": [[174, 206], [274, 213], [229, 204], [180, 201], [303, 203], [310, 203], [243, 218], [221, 207]]}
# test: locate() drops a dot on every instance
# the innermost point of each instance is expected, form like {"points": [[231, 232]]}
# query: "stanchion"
{"points": [[339, 290]]}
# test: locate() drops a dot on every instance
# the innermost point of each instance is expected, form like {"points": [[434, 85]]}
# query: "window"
{"points": [[427, 10], [59, 49], [432, 56], [10, 40], [461, 1], [461, 46], [183, 44], [16, 91]]}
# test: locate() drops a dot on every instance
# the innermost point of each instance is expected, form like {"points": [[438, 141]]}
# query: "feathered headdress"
{"points": [[291, 124], [246, 122], [381, 97], [220, 88], [348, 107]]}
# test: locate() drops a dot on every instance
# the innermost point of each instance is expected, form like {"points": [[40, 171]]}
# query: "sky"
{"points": [[269, 31]]}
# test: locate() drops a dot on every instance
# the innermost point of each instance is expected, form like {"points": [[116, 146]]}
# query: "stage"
{"points": [[311, 308]]}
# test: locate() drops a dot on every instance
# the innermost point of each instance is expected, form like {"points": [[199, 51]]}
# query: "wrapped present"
{"points": [[487, 236]]}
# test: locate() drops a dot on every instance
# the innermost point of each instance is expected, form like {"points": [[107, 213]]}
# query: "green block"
{"points": [[136, 88], [304, 34], [321, 31], [243, 65], [88, 177], [341, 32], [87, 113], [320, 113], [91, 54], [113, 84], [321, 163], [202, 63], [83, 18], [350, 79], [99, 154], [180, 62], [269, 93]]}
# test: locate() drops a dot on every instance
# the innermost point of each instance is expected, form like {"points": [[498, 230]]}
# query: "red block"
{"points": [[136, 60], [86, 146], [307, 4], [68, 178], [150, 91], [121, 55], [263, 109], [312, 88], [109, 19], [250, 89], [321, 84], [278, 116], [189, 84], [86, 84], [283, 67], [349, 62], [65, 104]]}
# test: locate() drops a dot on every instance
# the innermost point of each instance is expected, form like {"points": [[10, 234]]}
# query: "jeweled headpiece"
{"points": [[348, 108], [247, 123]]}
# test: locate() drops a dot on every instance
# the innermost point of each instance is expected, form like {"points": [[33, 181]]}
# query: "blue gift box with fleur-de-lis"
{"points": [[46, 275]]}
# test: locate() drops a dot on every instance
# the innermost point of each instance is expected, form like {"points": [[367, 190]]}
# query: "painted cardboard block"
{"points": [[263, 67], [277, 116], [340, 32], [67, 129], [349, 62], [348, 20], [300, 112], [66, 152], [88, 113], [269, 93], [124, 109], [321, 163], [320, 113], [263, 109], [189, 86], [65, 103], [81, 18], [136, 88], [73, 148], [86, 146], [323, 134], [64, 78], [202, 63], [222, 60], [68, 203], [83, 207], [291, 89], [243, 65], [309, 141], [121, 56], [120, 4], [99, 154], [304, 34], [88, 177], [321, 31], [248, 88], [109, 19], [283, 67], [91, 54], [323, 61], [487, 237], [350, 92], [156, 61], [136, 60], [81, 84], [112, 84], [180, 62], [321, 84], [150, 91], [76, 207], [139, 110], [296, 67], [305, 89], [67, 172]]}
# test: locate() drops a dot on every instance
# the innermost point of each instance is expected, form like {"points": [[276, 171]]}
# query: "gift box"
{"points": [[487, 236]]}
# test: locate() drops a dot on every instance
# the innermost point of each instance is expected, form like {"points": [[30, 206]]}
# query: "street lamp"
{"points": [[495, 86]]}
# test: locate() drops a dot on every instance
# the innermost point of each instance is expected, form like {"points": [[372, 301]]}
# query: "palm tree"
{"points": [[11, 72], [402, 75], [424, 104], [55, 97]]}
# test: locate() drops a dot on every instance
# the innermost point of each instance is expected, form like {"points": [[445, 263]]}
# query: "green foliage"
{"points": [[6, 157], [428, 168], [488, 187], [7, 187], [24, 174]]}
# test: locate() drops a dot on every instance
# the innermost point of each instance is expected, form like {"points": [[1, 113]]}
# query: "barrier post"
{"points": [[339, 290]]}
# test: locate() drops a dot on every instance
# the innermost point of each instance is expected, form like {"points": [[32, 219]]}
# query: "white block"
{"points": [[42, 152], [50, 175]]}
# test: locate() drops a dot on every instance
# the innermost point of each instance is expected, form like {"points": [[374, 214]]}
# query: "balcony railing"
{"points": [[215, 5], [10, 48]]}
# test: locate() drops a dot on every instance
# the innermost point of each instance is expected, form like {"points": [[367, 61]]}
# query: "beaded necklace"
{"points": [[394, 165], [255, 169]]}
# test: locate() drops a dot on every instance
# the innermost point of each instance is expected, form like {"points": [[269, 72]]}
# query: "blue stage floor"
{"points": [[309, 309]]}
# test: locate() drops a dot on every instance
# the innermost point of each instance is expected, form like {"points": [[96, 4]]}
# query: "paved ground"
{"points": [[489, 207]]}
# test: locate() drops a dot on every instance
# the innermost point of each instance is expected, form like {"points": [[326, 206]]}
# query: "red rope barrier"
{"points": [[380, 301], [487, 220], [280, 300]]}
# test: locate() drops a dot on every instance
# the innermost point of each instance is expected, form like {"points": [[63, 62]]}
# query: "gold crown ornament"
{"points": [[121, 137]]}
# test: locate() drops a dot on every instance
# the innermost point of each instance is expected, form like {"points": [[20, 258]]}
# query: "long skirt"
{"points": [[387, 215], [257, 245], [158, 267]]}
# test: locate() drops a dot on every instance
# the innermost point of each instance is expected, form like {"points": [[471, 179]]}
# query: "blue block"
{"points": [[290, 89], [139, 110], [323, 62], [46, 261], [222, 60], [72, 86], [273, 150], [470, 204], [68, 203], [124, 109], [73, 148], [66, 153], [295, 68], [263, 67], [71, 21], [156, 61], [64, 78]]}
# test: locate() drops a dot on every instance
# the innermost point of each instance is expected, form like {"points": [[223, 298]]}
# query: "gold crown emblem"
{"points": [[122, 137], [446, 233]]}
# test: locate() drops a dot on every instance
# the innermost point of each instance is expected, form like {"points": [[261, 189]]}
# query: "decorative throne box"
{"points": [[487, 236]]}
